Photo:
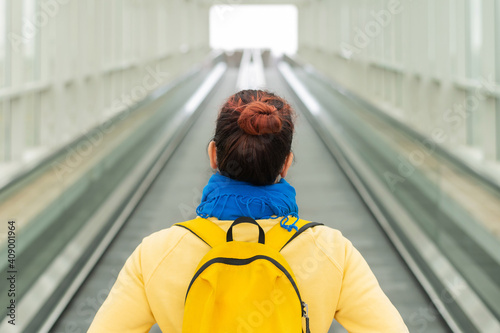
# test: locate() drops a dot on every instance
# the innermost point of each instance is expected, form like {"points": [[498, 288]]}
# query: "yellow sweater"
{"points": [[332, 276]]}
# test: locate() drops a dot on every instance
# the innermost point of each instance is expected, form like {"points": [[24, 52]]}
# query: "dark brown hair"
{"points": [[253, 136]]}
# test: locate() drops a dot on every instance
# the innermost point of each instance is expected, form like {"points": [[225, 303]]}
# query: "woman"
{"points": [[251, 151]]}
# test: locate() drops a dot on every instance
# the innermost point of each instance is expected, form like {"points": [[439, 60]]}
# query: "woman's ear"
{"points": [[287, 165], [212, 154]]}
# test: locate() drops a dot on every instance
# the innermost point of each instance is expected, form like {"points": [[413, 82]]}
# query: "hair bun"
{"points": [[258, 118]]}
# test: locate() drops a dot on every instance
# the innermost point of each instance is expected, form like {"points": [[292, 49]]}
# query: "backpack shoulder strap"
{"points": [[205, 230], [278, 237]]}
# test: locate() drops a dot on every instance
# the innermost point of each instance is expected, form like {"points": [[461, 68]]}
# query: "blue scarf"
{"points": [[228, 199]]}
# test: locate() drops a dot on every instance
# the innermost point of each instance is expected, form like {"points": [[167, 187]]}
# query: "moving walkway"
{"points": [[148, 173]]}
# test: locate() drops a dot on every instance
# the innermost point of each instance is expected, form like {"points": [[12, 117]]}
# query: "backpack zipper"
{"points": [[241, 262], [305, 314]]}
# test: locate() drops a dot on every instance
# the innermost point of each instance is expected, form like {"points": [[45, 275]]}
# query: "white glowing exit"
{"points": [[254, 26]]}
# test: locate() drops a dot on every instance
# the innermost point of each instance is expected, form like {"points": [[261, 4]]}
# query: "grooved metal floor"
{"points": [[323, 192]]}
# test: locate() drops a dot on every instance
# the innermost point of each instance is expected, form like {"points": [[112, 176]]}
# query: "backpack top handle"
{"points": [[245, 219]]}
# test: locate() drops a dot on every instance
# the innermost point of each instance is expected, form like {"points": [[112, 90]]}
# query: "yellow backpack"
{"points": [[242, 287]]}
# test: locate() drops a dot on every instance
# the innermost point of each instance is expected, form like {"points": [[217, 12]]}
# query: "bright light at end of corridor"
{"points": [[254, 26]]}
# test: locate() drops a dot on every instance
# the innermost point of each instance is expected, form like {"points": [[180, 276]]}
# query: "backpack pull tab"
{"points": [[245, 219], [305, 314]]}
